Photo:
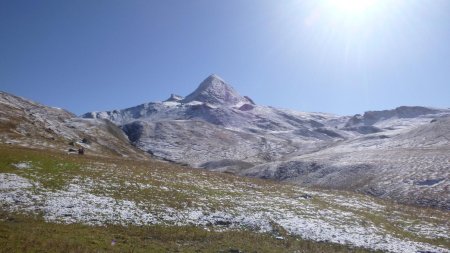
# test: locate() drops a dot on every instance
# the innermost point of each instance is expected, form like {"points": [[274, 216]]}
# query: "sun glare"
{"points": [[352, 7]]}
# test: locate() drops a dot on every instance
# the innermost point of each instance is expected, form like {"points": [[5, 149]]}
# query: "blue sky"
{"points": [[308, 55]]}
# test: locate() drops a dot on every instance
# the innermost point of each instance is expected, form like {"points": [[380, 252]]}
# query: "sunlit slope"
{"points": [[30, 124]]}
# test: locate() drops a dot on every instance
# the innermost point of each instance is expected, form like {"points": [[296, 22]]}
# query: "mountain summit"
{"points": [[214, 90]]}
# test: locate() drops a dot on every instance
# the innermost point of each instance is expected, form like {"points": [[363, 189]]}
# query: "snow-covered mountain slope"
{"points": [[196, 142], [215, 110], [216, 128], [403, 117], [412, 166], [402, 112], [29, 124]]}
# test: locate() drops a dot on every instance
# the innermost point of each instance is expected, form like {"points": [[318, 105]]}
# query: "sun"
{"points": [[352, 7]]}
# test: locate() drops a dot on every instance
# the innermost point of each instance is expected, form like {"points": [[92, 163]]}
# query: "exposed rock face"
{"points": [[246, 107]]}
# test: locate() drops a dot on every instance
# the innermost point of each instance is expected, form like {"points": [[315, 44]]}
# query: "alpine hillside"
{"points": [[400, 154]]}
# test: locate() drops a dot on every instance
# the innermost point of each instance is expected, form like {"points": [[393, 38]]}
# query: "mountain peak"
{"points": [[214, 82], [214, 90], [214, 77]]}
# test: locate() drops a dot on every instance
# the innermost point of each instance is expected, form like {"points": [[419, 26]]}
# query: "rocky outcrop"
{"points": [[214, 90]]}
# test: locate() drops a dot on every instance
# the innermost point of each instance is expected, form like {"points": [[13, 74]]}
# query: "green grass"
{"points": [[19, 233]]}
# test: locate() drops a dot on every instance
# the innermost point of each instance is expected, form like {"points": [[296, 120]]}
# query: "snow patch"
{"points": [[22, 165]]}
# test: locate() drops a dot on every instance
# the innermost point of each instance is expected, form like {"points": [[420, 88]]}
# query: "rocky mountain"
{"points": [[215, 123], [391, 153]]}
